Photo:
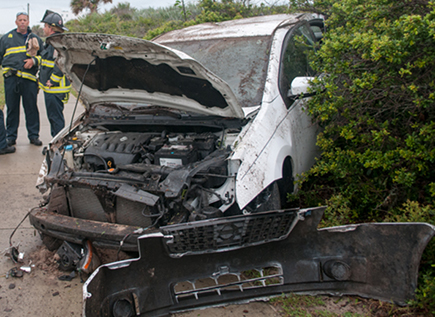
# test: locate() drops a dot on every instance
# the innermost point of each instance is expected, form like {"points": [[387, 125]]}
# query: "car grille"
{"points": [[229, 233]]}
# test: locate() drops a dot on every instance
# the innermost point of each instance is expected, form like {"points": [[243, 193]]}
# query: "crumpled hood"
{"points": [[130, 70]]}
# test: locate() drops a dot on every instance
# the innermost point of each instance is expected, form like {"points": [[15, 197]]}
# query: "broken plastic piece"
{"points": [[67, 277], [14, 272], [70, 255], [14, 254], [78, 257], [90, 260]]}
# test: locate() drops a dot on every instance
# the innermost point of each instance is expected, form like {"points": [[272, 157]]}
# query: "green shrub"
{"points": [[376, 108], [150, 22]]}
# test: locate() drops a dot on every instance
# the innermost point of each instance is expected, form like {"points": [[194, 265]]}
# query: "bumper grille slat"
{"points": [[229, 233]]}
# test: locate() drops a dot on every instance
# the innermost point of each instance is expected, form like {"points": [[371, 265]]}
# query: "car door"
{"points": [[282, 142]]}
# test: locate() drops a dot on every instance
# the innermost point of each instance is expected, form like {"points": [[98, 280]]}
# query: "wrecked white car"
{"points": [[184, 156], [207, 126]]}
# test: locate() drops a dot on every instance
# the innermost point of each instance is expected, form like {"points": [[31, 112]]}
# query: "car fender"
{"points": [[276, 133]]}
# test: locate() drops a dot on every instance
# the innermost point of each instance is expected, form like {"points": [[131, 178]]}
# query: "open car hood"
{"points": [[119, 69]]}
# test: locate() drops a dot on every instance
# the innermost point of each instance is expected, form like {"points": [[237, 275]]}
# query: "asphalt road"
{"points": [[40, 292]]}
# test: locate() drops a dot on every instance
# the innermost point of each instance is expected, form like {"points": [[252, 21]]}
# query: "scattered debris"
{"points": [[14, 272], [67, 277], [74, 256], [26, 269], [45, 260], [13, 253]]}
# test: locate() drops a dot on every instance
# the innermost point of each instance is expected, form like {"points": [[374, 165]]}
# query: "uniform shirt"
{"points": [[13, 52], [50, 71]]}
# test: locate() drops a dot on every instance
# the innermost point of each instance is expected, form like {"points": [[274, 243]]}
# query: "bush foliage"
{"points": [[150, 22], [376, 107]]}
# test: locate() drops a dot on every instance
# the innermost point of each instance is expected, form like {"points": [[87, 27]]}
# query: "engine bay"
{"points": [[105, 150], [148, 179]]}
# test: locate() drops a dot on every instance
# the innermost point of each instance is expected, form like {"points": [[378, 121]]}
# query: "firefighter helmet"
{"points": [[53, 19]]}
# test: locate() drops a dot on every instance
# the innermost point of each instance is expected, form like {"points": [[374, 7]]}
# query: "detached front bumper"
{"points": [[75, 230], [375, 260]]}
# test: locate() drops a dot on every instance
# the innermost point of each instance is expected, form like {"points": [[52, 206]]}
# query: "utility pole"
{"points": [[28, 10]]}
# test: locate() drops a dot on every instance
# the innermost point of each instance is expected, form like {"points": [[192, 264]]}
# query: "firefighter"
{"points": [[19, 57], [52, 81], [4, 147]]}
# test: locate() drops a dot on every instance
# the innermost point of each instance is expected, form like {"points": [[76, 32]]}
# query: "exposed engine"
{"points": [[143, 179], [101, 151]]}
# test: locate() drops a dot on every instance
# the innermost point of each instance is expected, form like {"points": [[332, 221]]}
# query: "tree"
{"points": [[78, 6], [124, 11], [36, 29]]}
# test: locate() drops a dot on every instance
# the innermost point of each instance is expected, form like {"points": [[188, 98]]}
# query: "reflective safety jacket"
{"points": [[50, 72], [13, 52]]}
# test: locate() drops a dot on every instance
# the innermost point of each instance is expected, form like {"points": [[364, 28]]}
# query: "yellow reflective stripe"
{"points": [[55, 78], [5, 70], [15, 50], [47, 63], [55, 89], [65, 100], [26, 75], [38, 58], [21, 74]]}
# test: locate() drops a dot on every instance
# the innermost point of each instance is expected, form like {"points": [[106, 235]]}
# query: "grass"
{"points": [[297, 305], [293, 305]]}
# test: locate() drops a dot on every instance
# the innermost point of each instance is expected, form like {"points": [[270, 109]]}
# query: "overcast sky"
{"points": [[9, 9]]}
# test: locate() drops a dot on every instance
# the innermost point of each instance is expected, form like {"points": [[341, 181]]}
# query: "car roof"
{"points": [[255, 26]]}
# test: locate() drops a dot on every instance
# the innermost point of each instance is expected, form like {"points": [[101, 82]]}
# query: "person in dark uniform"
{"points": [[4, 147], [20, 59], [52, 81]]}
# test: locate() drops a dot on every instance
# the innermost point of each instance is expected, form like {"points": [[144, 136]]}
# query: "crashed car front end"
{"points": [[137, 180], [152, 148], [163, 139]]}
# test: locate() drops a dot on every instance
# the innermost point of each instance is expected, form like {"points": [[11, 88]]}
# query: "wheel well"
{"points": [[286, 183]]}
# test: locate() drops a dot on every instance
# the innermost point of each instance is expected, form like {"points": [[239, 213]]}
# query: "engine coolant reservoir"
{"points": [[68, 156]]}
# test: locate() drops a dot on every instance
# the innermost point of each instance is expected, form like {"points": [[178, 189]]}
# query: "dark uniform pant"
{"points": [[16, 88], [54, 106], [2, 131]]}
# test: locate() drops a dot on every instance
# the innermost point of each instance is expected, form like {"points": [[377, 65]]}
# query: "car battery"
{"points": [[205, 143], [176, 155]]}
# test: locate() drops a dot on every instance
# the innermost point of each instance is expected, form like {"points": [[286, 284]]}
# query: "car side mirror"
{"points": [[299, 86]]}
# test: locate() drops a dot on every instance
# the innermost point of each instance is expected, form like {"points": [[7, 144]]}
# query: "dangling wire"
{"points": [[14, 250], [75, 107], [79, 93]]}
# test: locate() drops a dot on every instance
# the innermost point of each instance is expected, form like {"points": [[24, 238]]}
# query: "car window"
{"points": [[295, 58], [241, 62]]}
